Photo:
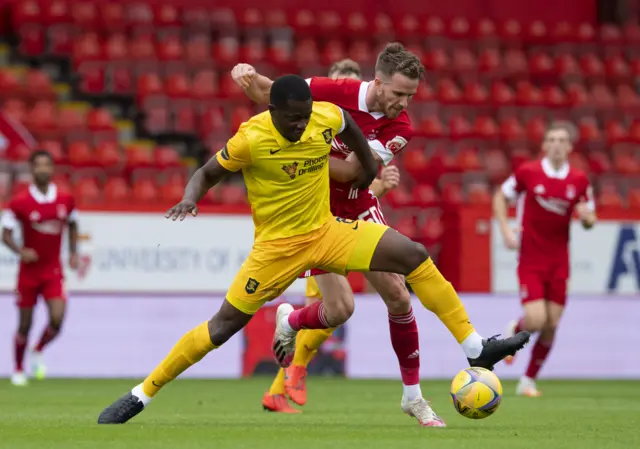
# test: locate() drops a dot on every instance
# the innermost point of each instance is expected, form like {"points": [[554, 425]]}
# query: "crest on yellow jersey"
{"points": [[290, 169], [252, 286], [328, 135]]}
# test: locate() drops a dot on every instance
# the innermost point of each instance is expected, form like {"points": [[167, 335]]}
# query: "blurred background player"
{"points": [[379, 109], [42, 212], [548, 192], [292, 381]]}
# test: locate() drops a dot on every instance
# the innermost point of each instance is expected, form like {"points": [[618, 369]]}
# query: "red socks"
{"points": [[309, 317], [48, 335], [20, 346], [404, 339], [538, 356]]}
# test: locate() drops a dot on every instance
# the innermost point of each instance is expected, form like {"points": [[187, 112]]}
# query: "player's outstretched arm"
{"points": [[353, 137], [257, 87], [500, 212], [202, 180]]}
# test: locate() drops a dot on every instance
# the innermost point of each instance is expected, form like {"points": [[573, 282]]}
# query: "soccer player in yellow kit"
{"points": [[284, 156]]}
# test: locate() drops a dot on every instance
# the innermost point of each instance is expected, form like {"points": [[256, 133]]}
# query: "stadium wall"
{"points": [[138, 252], [125, 336]]}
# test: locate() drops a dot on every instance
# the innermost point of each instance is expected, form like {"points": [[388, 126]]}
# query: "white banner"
{"points": [[604, 259], [140, 252]]}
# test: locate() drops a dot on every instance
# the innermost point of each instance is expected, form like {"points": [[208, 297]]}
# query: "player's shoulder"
{"points": [[576, 174], [20, 198], [344, 91], [325, 112], [530, 167], [256, 128], [64, 194]]}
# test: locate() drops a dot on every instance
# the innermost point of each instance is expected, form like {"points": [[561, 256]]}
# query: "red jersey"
{"points": [[43, 218], [546, 201], [387, 137]]}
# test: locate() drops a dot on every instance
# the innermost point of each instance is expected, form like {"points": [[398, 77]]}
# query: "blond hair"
{"points": [[345, 67], [395, 59]]}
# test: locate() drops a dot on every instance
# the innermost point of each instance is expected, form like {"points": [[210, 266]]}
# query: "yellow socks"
{"points": [[308, 342], [277, 387], [438, 295], [190, 349]]}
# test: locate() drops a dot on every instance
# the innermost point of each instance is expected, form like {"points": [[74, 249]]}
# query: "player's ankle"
{"points": [[472, 345], [411, 392], [138, 392]]}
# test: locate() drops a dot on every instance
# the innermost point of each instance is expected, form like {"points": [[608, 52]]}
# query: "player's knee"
{"points": [[397, 298], [535, 323], [339, 313], [415, 255], [23, 329]]}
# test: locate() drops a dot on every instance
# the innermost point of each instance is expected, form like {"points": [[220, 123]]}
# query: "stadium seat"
{"points": [[485, 128], [108, 155], [424, 196], [599, 162], [116, 191], [415, 163], [511, 130], [87, 192], [166, 157], [80, 154], [145, 192]]}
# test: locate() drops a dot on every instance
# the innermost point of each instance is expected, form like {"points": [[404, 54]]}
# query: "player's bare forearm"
{"points": [[500, 208], [260, 89], [73, 237], [353, 137], [377, 187], [203, 179], [344, 170], [9, 242]]}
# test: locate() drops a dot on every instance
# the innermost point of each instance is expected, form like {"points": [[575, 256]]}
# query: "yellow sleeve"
{"points": [[236, 154]]}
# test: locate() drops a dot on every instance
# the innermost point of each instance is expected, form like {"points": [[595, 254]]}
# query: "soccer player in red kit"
{"points": [[43, 212], [379, 108], [548, 192]]}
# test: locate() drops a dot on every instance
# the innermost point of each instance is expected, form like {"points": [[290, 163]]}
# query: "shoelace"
{"points": [[423, 411]]}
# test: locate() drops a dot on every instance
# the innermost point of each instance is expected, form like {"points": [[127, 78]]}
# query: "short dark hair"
{"points": [[36, 154], [346, 67], [395, 59], [289, 87], [563, 125]]}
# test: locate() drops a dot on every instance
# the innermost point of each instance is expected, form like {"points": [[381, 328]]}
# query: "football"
{"points": [[476, 393]]}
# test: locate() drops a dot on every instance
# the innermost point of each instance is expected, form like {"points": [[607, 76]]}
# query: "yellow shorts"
{"points": [[339, 246], [312, 290]]}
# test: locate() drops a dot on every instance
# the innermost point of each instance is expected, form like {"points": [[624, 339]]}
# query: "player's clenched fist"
{"points": [[180, 210], [390, 177], [243, 75]]}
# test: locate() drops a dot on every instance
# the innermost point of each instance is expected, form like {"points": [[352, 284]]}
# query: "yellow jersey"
{"points": [[287, 182]]}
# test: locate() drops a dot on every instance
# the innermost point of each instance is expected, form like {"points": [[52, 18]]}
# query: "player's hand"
{"points": [[510, 239], [582, 209], [390, 177], [243, 75], [74, 261], [180, 210], [28, 255]]}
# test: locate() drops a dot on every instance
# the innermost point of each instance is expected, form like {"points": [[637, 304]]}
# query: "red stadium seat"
{"points": [[32, 40], [448, 92], [485, 30], [424, 196], [198, 51], [537, 33], [536, 127], [518, 157], [432, 127], [171, 192], [615, 132], [185, 120], [585, 33], [617, 69], [459, 28], [515, 64], [15, 108], [489, 61], [334, 50], [527, 94], [80, 154], [611, 35], [433, 27], [464, 61], [511, 130], [501, 94], [112, 17], [360, 51], [469, 159], [212, 121], [116, 191], [233, 194], [167, 157], [100, 119], [478, 194], [553, 97], [400, 197], [145, 192], [589, 131], [567, 67], [578, 160], [87, 192], [108, 155], [599, 162], [177, 87], [239, 115], [306, 53], [416, 163], [511, 31], [541, 65], [407, 26], [437, 60], [485, 128], [356, 24], [92, 79], [459, 128], [303, 22], [634, 132], [563, 32], [592, 67]]}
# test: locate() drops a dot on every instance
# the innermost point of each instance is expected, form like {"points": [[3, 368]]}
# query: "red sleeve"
{"points": [[515, 184], [342, 92], [11, 215], [392, 138]]}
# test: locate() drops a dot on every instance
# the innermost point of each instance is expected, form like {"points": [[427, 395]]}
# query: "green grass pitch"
{"points": [[340, 414]]}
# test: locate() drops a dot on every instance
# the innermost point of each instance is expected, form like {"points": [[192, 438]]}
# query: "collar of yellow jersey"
{"points": [[283, 142]]}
